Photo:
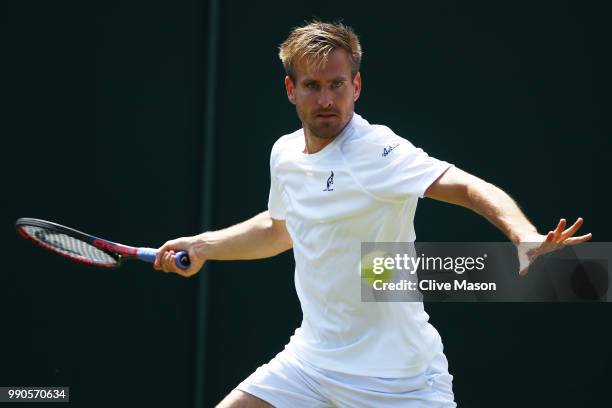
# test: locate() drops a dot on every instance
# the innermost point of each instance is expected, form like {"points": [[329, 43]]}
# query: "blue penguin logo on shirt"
{"points": [[330, 182]]}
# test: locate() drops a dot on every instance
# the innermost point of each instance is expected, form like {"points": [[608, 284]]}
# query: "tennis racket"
{"points": [[85, 248]]}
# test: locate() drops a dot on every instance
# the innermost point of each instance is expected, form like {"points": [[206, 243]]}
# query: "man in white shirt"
{"points": [[335, 183]]}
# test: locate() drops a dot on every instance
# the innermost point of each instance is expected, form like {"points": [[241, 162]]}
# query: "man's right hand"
{"points": [[166, 256]]}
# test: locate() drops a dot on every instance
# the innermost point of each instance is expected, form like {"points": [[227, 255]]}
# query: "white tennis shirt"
{"points": [[362, 187]]}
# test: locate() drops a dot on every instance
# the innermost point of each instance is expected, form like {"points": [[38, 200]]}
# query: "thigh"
{"points": [[284, 383]]}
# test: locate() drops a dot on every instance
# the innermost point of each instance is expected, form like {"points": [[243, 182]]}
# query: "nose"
{"points": [[325, 98]]}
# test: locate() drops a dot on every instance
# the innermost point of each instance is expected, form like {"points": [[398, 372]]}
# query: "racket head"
{"points": [[68, 242]]}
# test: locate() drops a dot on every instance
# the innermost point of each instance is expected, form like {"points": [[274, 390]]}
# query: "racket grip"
{"points": [[182, 260], [148, 255]]}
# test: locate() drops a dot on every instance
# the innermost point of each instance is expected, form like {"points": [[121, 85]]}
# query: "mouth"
{"points": [[325, 115]]}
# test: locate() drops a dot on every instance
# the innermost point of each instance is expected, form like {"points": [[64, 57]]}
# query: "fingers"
{"points": [[564, 236], [553, 236], [556, 239], [168, 264], [165, 260], [166, 255], [560, 227], [168, 246], [572, 230], [162, 259], [158, 258], [578, 240]]}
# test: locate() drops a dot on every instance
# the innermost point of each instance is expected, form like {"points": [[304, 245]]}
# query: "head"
{"points": [[323, 80]]}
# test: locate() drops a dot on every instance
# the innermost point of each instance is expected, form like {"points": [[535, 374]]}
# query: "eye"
{"points": [[311, 85], [338, 84]]}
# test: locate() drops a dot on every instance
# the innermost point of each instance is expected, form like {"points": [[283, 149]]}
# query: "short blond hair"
{"points": [[315, 41]]}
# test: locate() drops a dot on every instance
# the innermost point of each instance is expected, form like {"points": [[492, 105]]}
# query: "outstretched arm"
{"points": [[258, 237], [456, 186]]}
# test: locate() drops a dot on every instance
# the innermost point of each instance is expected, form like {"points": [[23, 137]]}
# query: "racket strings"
{"points": [[68, 246]]}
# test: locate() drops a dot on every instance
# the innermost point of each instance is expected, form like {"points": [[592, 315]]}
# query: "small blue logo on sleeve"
{"points": [[389, 149]]}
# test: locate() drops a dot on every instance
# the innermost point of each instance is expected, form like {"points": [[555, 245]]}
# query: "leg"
{"points": [[280, 383], [241, 399]]}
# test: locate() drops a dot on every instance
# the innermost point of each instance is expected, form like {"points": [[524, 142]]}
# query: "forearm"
{"points": [[500, 209], [258, 237]]}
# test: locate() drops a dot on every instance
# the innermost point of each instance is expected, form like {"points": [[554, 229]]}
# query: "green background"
{"points": [[104, 129]]}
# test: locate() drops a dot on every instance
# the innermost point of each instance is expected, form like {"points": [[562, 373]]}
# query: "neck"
{"points": [[315, 144]]}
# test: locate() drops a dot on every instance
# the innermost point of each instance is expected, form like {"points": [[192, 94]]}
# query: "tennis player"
{"points": [[336, 182]]}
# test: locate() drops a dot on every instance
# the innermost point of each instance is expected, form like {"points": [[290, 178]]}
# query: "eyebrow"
{"points": [[310, 80]]}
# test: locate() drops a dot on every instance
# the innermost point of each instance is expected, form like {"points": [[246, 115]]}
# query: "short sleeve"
{"points": [[391, 168], [276, 208], [421, 171]]}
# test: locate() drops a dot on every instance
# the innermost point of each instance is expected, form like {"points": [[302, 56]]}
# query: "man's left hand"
{"points": [[532, 246]]}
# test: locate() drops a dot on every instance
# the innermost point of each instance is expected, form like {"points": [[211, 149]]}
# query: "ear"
{"points": [[289, 86], [357, 86]]}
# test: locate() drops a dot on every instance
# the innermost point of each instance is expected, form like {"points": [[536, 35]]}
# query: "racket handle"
{"points": [[148, 255], [182, 260]]}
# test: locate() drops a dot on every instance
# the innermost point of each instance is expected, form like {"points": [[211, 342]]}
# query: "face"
{"points": [[324, 98]]}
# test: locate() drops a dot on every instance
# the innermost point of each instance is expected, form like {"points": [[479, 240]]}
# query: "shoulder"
{"points": [[373, 140], [285, 147], [286, 143]]}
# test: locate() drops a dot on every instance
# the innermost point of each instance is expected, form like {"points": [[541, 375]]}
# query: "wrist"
{"points": [[201, 245], [526, 235]]}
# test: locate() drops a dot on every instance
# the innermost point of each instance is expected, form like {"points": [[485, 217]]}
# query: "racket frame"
{"points": [[118, 252]]}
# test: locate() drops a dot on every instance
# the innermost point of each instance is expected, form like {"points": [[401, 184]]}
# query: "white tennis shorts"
{"points": [[287, 382]]}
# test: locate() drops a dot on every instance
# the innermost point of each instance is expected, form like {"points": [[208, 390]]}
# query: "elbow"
{"points": [[277, 231], [282, 237]]}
